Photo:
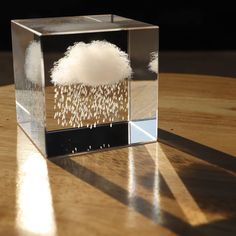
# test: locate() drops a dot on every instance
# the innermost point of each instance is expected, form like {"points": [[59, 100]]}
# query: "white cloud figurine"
{"points": [[95, 63], [33, 62], [153, 65]]}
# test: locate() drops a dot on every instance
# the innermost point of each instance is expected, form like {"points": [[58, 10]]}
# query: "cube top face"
{"points": [[80, 24], [86, 83]]}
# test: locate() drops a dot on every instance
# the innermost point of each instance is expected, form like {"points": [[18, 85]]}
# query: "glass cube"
{"points": [[85, 83]]}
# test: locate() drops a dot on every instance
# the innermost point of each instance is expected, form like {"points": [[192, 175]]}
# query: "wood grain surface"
{"points": [[151, 189], [199, 108]]}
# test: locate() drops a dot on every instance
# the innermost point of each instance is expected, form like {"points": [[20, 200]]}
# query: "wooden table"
{"points": [[151, 189]]}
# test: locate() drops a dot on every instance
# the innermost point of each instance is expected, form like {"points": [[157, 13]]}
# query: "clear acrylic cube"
{"points": [[85, 83]]}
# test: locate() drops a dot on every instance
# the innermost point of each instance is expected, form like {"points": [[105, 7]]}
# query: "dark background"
{"points": [[182, 26]]}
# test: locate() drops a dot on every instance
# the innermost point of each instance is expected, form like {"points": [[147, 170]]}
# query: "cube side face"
{"points": [[29, 84], [143, 91], [81, 118]]}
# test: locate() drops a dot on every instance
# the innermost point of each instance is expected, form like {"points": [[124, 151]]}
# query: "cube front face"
{"points": [[70, 118]]}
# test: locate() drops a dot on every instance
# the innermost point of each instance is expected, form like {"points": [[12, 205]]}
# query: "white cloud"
{"points": [[32, 62], [95, 63], [153, 65]]}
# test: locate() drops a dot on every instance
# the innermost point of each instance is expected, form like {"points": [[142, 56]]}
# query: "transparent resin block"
{"points": [[85, 83]]}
